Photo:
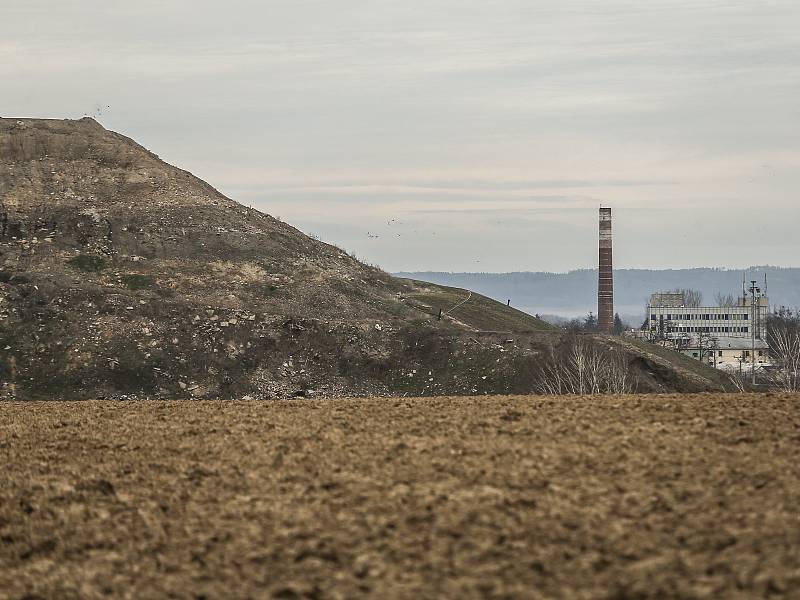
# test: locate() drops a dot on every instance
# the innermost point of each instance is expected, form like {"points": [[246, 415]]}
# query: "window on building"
{"points": [[694, 354], [746, 353], [745, 317], [653, 317], [720, 352], [744, 329], [761, 353]]}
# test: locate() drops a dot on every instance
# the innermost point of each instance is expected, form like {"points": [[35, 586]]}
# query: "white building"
{"points": [[722, 336], [731, 353], [669, 318]]}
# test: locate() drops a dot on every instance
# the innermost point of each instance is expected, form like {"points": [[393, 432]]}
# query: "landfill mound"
{"points": [[123, 276]]}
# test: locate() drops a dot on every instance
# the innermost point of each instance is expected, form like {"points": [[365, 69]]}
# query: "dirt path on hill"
{"points": [[505, 497]]}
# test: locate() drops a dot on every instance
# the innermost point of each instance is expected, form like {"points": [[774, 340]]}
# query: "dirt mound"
{"points": [[620, 497], [121, 275]]}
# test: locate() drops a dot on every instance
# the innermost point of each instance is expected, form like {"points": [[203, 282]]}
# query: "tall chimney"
{"points": [[605, 281]]}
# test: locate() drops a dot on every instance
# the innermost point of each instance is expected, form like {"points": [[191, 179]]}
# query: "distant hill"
{"points": [[574, 293]]}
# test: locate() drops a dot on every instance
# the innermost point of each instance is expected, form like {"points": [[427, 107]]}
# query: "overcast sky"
{"points": [[467, 135]]}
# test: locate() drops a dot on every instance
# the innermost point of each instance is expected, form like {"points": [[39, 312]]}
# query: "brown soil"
{"points": [[500, 497]]}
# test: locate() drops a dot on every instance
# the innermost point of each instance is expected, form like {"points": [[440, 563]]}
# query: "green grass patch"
{"points": [[134, 281], [478, 311], [87, 263]]}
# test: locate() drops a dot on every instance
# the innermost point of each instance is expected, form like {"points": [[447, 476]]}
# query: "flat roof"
{"points": [[733, 343]]}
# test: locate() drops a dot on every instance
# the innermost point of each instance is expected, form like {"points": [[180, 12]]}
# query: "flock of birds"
{"points": [[394, 222], [391, 223]]}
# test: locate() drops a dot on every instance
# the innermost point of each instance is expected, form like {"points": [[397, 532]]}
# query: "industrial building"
{"points": [[676, 321], [731, 337], [733, 354]]}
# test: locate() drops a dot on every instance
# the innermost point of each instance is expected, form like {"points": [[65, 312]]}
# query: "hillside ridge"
{"points": [[121, 275]]}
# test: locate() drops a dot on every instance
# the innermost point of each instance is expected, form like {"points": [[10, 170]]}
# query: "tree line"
{"points": [[589, 324]]}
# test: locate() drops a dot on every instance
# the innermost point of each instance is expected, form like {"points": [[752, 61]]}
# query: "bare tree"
{"points": [[551, 381], [783, 337], [619, 380], [723, 299], [583, 368], [692, 298], [738, 381], [706, 344]]}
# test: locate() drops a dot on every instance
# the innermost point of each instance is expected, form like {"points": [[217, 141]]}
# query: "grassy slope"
{"points": [[479, 312], [681, 361]]}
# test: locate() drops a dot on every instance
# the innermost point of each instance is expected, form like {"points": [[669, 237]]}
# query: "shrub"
{"points": [[13, 278], [85, 262], [134, 281]]}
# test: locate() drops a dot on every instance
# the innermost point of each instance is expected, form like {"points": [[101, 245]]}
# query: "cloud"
{"points": [[456, 110]]}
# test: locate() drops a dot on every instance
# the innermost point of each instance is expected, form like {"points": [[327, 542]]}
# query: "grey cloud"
{"points": [[664, 109]]}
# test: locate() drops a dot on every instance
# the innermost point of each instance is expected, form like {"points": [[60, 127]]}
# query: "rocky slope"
{"points": [[121, 275]]}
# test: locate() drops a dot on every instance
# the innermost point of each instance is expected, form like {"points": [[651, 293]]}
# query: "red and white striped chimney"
{"points": [[605, 281]]}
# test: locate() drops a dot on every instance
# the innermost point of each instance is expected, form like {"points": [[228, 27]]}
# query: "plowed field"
{"points": [[494, 497]]}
